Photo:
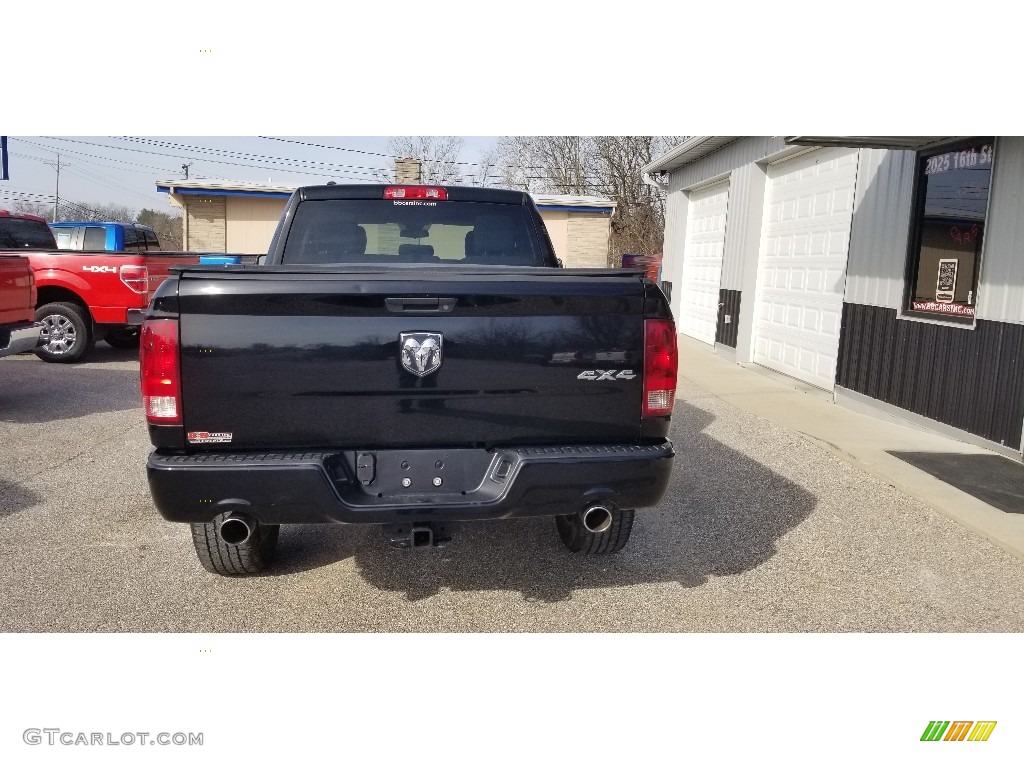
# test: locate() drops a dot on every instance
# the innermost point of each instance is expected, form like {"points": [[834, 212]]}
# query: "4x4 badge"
{"points": [[421, 352], [611, 375]]}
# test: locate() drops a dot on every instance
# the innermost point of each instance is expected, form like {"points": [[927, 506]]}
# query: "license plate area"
{"points": [[420, 474]]}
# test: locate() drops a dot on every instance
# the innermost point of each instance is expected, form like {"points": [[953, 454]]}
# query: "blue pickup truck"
{"points": [[104, 236]]}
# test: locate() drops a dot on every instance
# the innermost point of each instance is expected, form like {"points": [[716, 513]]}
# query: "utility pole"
{"points": [[56, 195]]}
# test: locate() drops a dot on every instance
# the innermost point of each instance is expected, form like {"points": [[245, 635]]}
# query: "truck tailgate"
{"points": [[297, 357]]}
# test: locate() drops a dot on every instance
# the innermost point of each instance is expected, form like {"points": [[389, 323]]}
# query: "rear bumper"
{"points": [[328, 487], [19, 338]]}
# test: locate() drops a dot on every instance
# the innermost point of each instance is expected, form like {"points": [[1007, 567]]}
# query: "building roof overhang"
{"points": [[223, 187], [579, 203], [693, 148], [875, 142], [696, 147]]}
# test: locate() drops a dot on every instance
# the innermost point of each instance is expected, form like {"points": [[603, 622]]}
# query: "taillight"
{"points": [[415, 193], [160, 366], [135, 277], [661, 364]]}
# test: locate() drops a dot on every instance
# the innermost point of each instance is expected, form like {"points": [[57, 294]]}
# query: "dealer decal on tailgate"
{"points": [[209, 437]]}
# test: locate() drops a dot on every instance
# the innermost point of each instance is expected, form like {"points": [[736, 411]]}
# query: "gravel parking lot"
{"points": [[761, 531]]}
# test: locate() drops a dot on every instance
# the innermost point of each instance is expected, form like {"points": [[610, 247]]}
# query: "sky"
{"points": [[210, 78], [124, 170]]}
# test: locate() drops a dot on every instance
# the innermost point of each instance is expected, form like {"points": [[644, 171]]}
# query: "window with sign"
{"points": [[948, 229]]}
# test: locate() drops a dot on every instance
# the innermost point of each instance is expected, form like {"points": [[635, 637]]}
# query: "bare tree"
{"points": [[45, 210], [438, 156], [487, 172], [638, 225], [72, 211], [558, 164], [168, 228], [68, 210], [606, 166]]}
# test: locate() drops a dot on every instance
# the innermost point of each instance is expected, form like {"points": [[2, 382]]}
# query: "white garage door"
{"points": [[805, 240], [702, 262]]}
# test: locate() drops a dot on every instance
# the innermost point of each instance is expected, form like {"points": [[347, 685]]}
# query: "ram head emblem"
{"points": [[421, 352]]}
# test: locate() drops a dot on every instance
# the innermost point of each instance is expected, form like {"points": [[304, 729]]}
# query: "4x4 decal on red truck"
{"points": [[96, 268]]}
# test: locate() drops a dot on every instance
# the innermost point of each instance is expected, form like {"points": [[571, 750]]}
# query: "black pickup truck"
{"points": [[410, 356]]}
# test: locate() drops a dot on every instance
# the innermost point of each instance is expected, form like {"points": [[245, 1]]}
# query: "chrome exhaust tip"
{"points": [[596, 518], [236, 529]]}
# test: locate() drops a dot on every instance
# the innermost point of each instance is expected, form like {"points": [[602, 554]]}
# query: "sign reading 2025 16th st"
{"points": [[974, 157]]}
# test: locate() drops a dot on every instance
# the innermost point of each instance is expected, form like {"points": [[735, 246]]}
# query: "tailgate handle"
{"points": [[419, 305]]}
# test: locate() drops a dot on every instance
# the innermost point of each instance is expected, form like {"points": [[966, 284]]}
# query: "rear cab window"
{"points": [[131, 240], [18, 234], [95, 239], [413, 232]]}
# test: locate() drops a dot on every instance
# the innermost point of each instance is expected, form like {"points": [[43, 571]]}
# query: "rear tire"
{"points": [[578, 539], [250, 557], [67, 332]]}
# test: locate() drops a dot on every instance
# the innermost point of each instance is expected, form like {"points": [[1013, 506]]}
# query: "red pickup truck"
{"points": [[83, 296], [18, 330]]}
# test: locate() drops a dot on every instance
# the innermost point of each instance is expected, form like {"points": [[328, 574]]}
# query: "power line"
{"points": [[9, 188], [110, 184], [286, 164], [364, 152], [28, 198], [268, 158], [83, 154], [62, 205], [151, 202], [323, 175], [290, 163], [250, 155], [327, 146], [91, 213], [105, 181]]}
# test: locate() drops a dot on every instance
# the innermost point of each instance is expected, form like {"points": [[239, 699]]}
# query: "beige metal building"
{"points": [[579, 227], [224, 216]]}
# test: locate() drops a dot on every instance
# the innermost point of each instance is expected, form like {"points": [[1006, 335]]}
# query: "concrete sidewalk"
{"points": [[860, 440]]}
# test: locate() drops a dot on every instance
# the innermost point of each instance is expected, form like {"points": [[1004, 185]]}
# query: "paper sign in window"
{"points": [[945, 287]]}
